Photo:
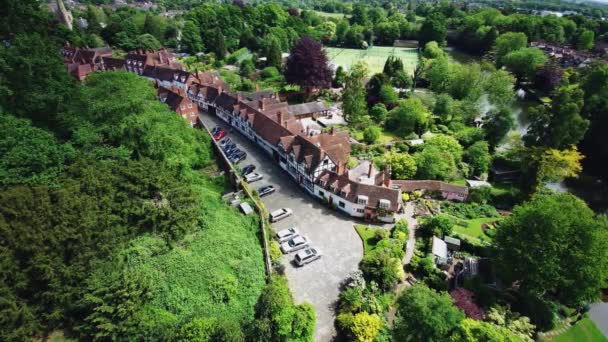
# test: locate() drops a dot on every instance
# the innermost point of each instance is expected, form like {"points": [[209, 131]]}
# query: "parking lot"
{"points": [[329, 231]]}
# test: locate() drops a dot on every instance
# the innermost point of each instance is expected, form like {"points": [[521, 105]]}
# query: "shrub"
{"points": [[275, 251], [401, 227], [382, 268], [405, 197], [469, 210], [351, 300], [361, 327], [381, 234], [270, 72], [371, 134], [480, 195]]}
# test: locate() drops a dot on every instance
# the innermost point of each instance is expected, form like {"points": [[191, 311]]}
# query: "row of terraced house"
{"points": [[315, 160]]}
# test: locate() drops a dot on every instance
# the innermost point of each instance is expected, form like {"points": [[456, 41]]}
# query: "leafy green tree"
{"points": [[219, 47], [29, 155], [440, 225], [466, 82], [498, 123], [446, 143], [585, 40], [246, 68], [388, 95], [273, 53], [340, 77], [191, 38], [433, 28], [411, 115], [478, 157], [371, 134], [509, 42], [564, 232], [403, 165], [525, 62], [382, 267], [500, 87], [439, 75], [353, 96], [147, 42], [432, 50], [425, 315], [434, 163], [392, 66], [275, 315], [444, 106], [562, 124], [379, 113]]}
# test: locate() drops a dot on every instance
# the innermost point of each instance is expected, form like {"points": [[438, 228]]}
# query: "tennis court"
{"points": [[375, 57]]}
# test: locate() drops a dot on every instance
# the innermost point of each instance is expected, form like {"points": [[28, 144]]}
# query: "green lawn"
{"points": [[375, 57], [473, 229], [330, 15], [367, 235], [385, 136], [583, 331]]}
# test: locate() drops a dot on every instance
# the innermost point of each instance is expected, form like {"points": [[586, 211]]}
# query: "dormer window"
{"points": [[128, 62], [362, 200], [384, 204], [183, 78], [189, 105], [342, 193], [323, 183], [183, 107], [175, 76], [140, 63]]}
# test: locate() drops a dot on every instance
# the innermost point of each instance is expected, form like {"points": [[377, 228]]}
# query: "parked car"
{"points": [[238, 157], [248, 169], [295, 244], [280, 214], [215, 129], [232, 153], [287, 234], [229, 148], [226, 141], [307, 256], [266, 190], [221, 134], [253, 177]]}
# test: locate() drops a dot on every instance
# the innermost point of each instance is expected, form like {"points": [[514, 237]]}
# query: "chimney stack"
{"points": [[280, 118], [369, 172], [387, 176], [332, 131], [261, 104], [239, 96]]}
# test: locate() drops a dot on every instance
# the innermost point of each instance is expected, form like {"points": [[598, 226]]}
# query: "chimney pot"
{"points": [[280, 117], [369, 172]]}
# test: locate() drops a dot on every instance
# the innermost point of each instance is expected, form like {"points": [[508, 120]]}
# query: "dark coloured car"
{"points": [[226, 141], [215, 129], [238, 157], [266, 190], [248, 169]]}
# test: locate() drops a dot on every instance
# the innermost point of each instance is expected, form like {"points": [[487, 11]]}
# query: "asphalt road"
{"points": [[599, 314], [329, 231]]}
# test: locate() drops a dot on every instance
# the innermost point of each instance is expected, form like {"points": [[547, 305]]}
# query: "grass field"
{"points": [[583, 331], [367, 235], [375, 57], [330, 15], [473, 229]]}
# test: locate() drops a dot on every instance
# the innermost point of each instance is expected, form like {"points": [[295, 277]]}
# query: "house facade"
{"points": [[315, 161]]}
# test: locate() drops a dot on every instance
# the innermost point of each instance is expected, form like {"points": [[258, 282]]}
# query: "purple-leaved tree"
{"points": [[307, 66]]}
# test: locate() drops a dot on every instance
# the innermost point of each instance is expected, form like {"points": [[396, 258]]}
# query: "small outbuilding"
{"points": [[440, 251], [453, 244]]}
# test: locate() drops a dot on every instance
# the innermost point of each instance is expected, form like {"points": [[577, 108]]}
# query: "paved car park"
{"points": [[329, 231]]}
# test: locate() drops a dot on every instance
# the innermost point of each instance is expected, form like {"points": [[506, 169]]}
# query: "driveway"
{"points": [[328, 230], [599, 314]]}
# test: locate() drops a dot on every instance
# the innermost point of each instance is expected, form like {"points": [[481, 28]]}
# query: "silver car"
{"points": [[252, 177], [295, 244], [287, 234], [307, 256], [280, 214]]}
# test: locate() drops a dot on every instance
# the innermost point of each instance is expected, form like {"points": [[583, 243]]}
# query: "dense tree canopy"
{"points": [[562, 231], [425, 315]]}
